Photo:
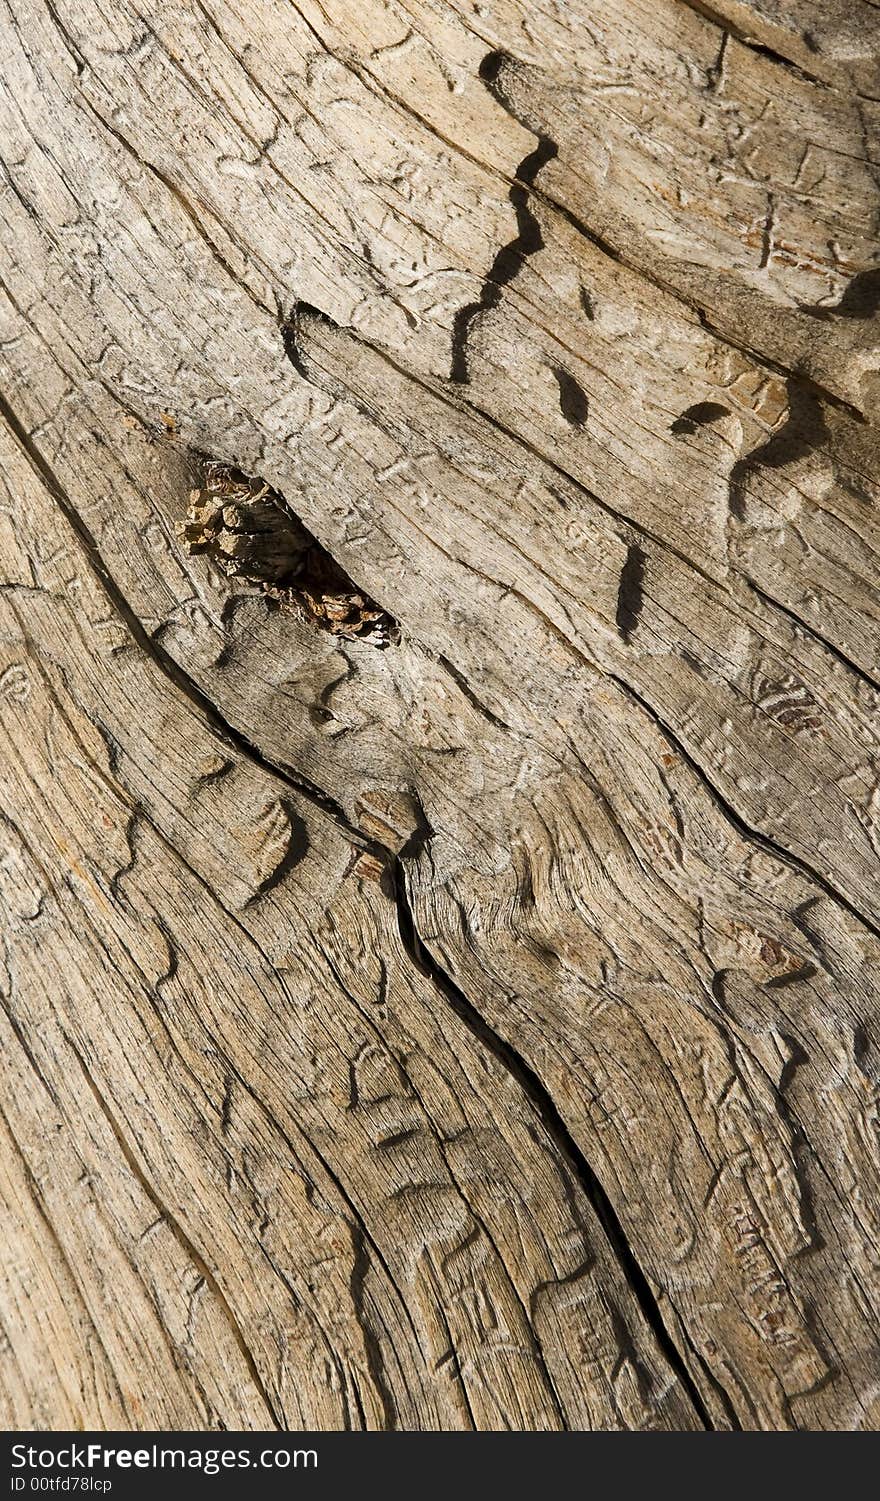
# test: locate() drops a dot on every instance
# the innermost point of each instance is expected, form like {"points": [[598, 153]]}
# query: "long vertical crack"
{"points": [[509, 260], [556, 1128], [415, 948], [372, 1347], [413, 945]]}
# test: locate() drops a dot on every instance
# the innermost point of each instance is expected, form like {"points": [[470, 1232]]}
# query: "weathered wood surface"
{"points": [[483, 1031]]}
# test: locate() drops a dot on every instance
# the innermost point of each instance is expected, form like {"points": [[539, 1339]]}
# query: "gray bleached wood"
{"points": [[480, 1032]]}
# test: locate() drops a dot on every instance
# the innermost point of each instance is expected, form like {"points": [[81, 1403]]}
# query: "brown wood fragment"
{"points": [[247, 528]]}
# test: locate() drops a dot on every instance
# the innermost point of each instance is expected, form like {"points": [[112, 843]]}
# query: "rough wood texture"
{"points": [[479, 1032]]}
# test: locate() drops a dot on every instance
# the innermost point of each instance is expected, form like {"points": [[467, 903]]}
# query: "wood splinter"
{"points": [[248, 530]]}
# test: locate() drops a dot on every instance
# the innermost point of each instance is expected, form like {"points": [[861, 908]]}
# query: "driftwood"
{"points": [[474, 1026]]}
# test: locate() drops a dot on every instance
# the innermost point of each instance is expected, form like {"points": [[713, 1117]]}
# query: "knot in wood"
{"points": [[251, 533]]}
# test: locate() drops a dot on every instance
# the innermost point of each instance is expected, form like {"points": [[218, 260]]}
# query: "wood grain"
{"points": [[479, 1032]]}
